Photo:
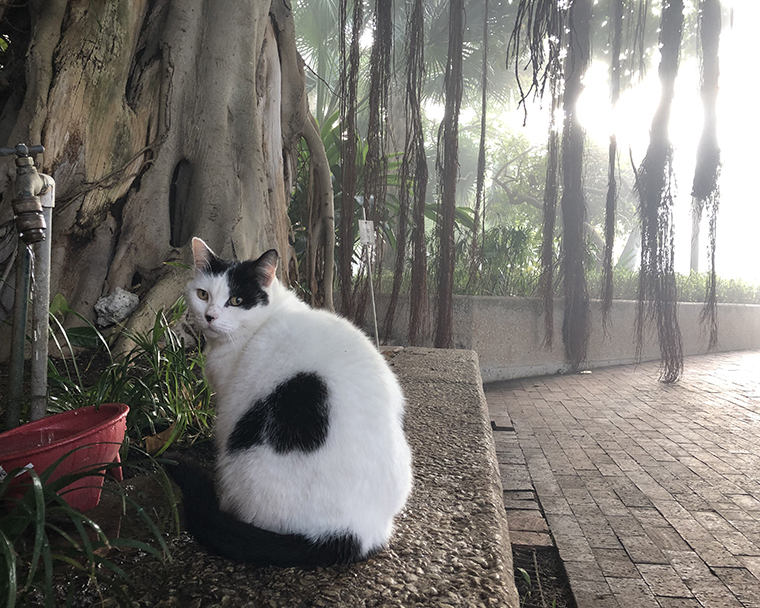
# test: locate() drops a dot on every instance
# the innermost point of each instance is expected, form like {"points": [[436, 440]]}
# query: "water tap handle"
{"points": [[22, 150], [27, 206]]}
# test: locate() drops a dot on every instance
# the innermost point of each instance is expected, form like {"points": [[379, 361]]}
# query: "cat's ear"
{"points": [[202, 254], [266, 266]]}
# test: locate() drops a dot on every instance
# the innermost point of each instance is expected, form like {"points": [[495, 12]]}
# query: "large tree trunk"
{"points": [[576, 325], [448, 172], [161, 120]]}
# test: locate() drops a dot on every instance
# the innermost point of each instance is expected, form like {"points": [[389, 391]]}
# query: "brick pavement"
{"points": [[651, 492]]}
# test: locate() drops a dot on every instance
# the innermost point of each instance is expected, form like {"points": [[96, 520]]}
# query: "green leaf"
{"points": [[59, 305], [83, 337], [524, 573], [9, 555], [39, 525]]}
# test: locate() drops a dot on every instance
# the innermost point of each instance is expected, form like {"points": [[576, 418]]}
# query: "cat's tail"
{"points": [[225, 535]]}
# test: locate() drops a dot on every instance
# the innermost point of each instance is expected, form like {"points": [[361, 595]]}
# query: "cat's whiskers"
{"points": [[231, 336]]}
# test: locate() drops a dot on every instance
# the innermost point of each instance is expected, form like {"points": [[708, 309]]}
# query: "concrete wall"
{"points": [[507, 333]]}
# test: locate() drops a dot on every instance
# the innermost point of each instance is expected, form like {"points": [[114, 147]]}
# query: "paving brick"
{"points": [[689, 566], [666, 538], [584, 570], [599, 533], [632, 592], [515, 477], [649, 517], [564, 525], [742, 583], [626, 525], [679, 602], [510, 457], [574, 548], [616, 563], [527, 522], [577, 497], [663, 580], [642, 550], [752, 564], [519, 505], [522, 538], [595, 594], [553, 503], [671, 509], [649, 490], [745, 501], [519, 495], [570, 482]]}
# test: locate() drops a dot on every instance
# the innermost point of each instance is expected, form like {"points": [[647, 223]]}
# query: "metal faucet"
{"points": [[27, 206], [33, 202]]}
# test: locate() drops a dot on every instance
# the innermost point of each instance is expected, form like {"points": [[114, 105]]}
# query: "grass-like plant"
{"points": [[42, 536], [160, 380]]}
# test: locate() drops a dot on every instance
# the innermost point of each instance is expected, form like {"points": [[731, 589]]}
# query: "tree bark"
{"points": [[321, 220], [576, 325], [161, 120], [448, 170], [475, 251]]}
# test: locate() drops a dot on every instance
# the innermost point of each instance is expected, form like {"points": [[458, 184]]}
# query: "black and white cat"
{"points": [[313, 464]]}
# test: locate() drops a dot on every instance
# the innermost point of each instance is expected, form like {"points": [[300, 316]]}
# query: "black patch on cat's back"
{"points": [[299, 414], [293, 417], [249, 430]]}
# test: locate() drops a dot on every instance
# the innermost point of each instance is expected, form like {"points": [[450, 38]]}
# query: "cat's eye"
{"points": [[235, 301], [202, 294]]}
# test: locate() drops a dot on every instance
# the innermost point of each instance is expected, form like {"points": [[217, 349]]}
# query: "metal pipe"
{"points": [[30, 224], [18, 336], [370, 242], [41, 307]]}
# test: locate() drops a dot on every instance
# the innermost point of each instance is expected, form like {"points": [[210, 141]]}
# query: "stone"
{"points": [[115, 307]]}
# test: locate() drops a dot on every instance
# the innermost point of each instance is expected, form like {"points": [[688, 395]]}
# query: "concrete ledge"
{"points": [[508, 333], [451, 546], [456, 515]]}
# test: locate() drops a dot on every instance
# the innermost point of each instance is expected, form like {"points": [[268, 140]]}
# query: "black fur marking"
{"points": [[225, 535], [244, 283], [243, 279], [249, 430], [217, 265], [293, 417], [299, 414]]}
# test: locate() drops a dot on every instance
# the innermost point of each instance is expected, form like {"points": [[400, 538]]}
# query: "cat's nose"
{"points": [[212, 313]]}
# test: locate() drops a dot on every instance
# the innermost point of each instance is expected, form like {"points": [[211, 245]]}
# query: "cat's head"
{"points": [[229, 296]]}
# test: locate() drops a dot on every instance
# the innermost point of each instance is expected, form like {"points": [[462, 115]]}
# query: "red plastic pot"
{"points": [[97, 430]]}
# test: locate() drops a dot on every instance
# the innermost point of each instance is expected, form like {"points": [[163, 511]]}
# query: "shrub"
{"points": [[160, 380]]}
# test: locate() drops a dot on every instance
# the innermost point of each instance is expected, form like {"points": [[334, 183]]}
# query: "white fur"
{"points": [[360, 478]]}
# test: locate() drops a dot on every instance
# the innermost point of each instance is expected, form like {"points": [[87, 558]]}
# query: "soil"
{"points": [[541, 579]]}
